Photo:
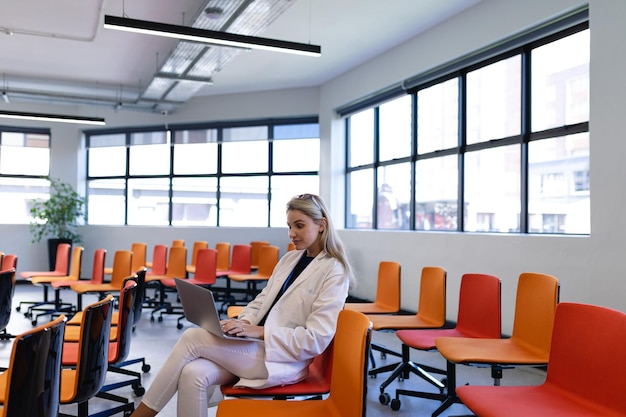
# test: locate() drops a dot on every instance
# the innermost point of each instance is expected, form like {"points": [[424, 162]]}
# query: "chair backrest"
{"points": [[240, 262], [255, 252], [159, 260], [223, 255], [205, 266], [122, 267], [479, 312], [140, 293], [350, 360], [9, 261], [291, 246], [587, 355], [7, 288], [125, 319], [92, 360], [388, 285], [62, 258], [177, 262], [197, 245], [77, 263], [139, 250], [99, 263], [34, 372], [535, 305], [178, 242], [268, 258], [432, 299]]}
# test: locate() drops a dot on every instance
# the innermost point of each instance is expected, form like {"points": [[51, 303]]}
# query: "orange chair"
{"points": [[86, 361], [223, 255], [57, 305], [240, 265], [268, 258], [122, 261], [387, 300], [30, 385], [197, 245], [431, 313], [290, 246], [529, 345], [61, 269], [139, 250], [255, 252], [176, 267], [347, 386], [586, 371], [7, 289], [479, 316], [314, 386]]}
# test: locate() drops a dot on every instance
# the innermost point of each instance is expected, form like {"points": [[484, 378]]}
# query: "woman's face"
{"points": [[304, 232]]}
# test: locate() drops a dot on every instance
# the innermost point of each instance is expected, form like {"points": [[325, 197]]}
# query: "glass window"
{"points": [[195, 152], [107, 201], [494, 101], [438, 117], [395, 129], [558, 189], [243, 201], [394, 197], [436, 193], [148, 201], [361, 199], [24, 153], [194, 201], [560, 82], [292, 155], [361, 143], [245, 157], [149, 153], [492, 190], [107, 155]]}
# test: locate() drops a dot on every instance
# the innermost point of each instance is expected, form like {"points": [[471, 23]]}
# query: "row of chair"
{"points": [[476, 338]]}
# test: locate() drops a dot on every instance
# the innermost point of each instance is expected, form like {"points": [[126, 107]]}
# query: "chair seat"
{"points": [[401, 321], [492, 351], [72, 333], [44, 279], [424, 339], [68, 385], [248, 277], [28, 274], [371, 308], [84, 288], [538, 401], [268, 409]]}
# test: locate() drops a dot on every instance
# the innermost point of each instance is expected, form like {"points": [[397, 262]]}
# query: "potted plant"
{"points": [[56, 218]]}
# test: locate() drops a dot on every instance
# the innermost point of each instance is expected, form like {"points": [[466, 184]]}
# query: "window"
{"points": [[24, 160], [500, 145], [221, 174]]}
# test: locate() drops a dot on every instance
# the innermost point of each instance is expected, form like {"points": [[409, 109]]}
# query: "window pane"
{"points": [[438, 117], [560, 82], [296, 155], [107, 202], [394, 196], [195, 158], [194, 202], [16, 148], [109, 161], [558, 189], [492, 190], [17, 194], [361, 199], [149, 154], [436, 193], [148, 201], [244, 134], [299, 131], [243, 201], [395, 129], [245, 157], [494, 101], [284, 187], [361, 140]]}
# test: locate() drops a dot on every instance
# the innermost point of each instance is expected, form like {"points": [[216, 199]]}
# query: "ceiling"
{"points": [[57, 51]]}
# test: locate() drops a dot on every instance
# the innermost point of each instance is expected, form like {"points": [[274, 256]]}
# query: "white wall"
{"points": [[589, 268]]}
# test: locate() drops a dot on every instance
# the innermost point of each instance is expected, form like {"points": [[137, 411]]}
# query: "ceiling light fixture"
{"points": [[52, 117], [209, 36]]}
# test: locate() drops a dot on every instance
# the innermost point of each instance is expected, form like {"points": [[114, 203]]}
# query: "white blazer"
{"points": [[303, 321]]}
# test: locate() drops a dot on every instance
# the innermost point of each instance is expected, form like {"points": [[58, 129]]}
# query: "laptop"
{"points": [[200, 309]]}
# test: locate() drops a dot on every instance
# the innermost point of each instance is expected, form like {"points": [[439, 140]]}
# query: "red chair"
{"points": [[586, 371], [479, 316], [9, 261], [240, 264]]}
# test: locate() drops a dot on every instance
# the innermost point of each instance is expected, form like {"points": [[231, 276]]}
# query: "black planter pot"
{"points": [[52, 252]]}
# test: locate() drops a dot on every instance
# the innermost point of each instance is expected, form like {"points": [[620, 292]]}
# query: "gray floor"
{"points": [[154, 340]]}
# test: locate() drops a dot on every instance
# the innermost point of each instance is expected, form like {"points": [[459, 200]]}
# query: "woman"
{"points": [[295, 314]]}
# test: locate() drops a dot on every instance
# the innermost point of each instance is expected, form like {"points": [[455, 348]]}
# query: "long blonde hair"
{"points": [[313, 206]]}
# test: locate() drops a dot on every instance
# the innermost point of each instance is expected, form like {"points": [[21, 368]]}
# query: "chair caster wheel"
{"points": [[160, 319], [18, 308], [151, 319], [395, 404], [179, 326], [139, 390], [384, 398], [34, 322], [145, 368], [383, 356]]}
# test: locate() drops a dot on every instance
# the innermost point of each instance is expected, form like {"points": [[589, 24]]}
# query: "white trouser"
{"points": [[197, 364]]}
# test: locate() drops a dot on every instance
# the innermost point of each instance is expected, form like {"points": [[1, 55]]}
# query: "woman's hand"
{"points": [[241, 328]]}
